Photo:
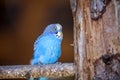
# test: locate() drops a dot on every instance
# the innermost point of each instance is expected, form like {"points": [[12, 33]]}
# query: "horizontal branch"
{"points": [[35, 71]]}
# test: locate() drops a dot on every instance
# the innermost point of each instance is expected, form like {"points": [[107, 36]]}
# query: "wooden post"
{"points": [[96, 32]]}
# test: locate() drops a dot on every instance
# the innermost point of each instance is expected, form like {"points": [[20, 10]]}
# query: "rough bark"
{"points": [[94, 35], [107, 67], [35, 71]]}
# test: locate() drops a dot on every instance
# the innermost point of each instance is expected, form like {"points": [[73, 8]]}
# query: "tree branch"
{"points": [[35, 71]]}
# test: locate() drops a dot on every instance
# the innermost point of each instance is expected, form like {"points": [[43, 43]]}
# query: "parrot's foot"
{"points": [[58, 63]]}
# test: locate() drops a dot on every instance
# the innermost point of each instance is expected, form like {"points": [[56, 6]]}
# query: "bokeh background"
{"points": [[22, 21]]}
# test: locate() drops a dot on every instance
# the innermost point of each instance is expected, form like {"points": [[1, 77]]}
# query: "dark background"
{"points": [[22, 21]]}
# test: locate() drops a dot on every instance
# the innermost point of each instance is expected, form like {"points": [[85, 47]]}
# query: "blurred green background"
{"points": [[22, 21]]}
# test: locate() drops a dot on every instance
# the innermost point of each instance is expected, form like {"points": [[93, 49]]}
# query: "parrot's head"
{"points": [[55, 29]]}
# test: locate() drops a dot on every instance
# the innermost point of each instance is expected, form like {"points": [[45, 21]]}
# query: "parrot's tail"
{"points": [[42, 78]]}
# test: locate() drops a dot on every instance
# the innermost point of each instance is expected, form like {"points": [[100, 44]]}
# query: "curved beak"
{"points": [[60, 34]]}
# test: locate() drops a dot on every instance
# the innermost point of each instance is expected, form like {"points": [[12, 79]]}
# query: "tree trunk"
{"points": [[96, 33]]}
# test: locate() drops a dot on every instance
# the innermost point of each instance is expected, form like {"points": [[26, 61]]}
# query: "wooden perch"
{"points": [[35, 71]]}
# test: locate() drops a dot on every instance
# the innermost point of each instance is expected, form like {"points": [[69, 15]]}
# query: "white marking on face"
{"points": [[58, 26], [59, 33]]}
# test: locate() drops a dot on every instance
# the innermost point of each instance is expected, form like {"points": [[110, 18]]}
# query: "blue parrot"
{"points": [[47, 47]]}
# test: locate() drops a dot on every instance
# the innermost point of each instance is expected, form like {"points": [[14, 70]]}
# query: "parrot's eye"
{"points": [[56, 32]]}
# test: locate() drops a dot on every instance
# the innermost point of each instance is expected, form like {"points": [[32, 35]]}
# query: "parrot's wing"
{"points": [[37, 42], [38, 49], [39, 46]]}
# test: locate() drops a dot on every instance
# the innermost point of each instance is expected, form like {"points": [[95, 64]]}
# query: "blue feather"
{"points": [[47, 48]]}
